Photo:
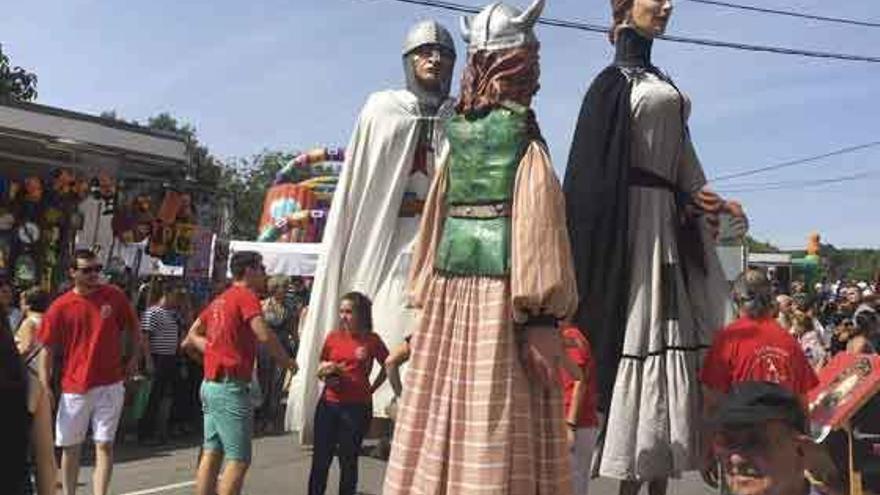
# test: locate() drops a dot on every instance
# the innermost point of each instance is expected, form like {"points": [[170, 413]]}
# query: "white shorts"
{"points": [[100, 406]]}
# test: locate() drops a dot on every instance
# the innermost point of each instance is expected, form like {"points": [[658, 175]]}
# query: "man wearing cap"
{"points": [[758, 435], [753, 348], [389, 164]]}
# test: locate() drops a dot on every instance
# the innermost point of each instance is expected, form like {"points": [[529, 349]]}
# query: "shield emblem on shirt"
{"points": [[360, 353], [106, 311]]}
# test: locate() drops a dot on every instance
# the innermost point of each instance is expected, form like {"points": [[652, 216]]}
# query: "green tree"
{"points": [[15, 82], [249, 182], [756, 246]]}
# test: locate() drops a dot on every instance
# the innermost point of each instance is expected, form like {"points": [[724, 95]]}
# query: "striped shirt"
{"points": [[163, 329]]}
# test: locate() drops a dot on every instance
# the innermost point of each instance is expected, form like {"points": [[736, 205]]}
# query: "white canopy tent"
{"points": [[282, 258]]}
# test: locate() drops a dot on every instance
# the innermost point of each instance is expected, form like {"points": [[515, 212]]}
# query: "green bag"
{"points": [[141, 398]]}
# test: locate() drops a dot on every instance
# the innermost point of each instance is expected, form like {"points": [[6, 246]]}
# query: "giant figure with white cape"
{"points": [[374, 216]]}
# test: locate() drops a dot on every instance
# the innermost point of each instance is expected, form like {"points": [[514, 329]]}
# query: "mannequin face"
{"points": [[432, 66], [650, 17]]}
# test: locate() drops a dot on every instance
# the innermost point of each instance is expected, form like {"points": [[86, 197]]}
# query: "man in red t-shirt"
{"points": [[85, 325], [754, 348], [226, 334], [578, 377]]}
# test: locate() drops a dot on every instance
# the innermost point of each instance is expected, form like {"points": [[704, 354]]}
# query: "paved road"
{"points": [[280, 467]]}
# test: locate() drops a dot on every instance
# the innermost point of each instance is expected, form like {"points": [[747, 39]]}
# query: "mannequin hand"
{"points": [[540, 352], [708, 200], [739, 220]]}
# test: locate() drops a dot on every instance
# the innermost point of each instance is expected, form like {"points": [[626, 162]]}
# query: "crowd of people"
{"points": [[75, 362], [832, 317]]}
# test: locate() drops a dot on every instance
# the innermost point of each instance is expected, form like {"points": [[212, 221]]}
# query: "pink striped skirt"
{"points": [[470, 420]]}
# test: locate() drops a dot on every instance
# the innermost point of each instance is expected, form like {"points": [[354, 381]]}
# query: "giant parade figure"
{"points": [[642, 226], [492, 273], [373, 218]]}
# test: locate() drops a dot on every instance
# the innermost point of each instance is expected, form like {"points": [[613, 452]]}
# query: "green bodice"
{"points": [[484, 157]]}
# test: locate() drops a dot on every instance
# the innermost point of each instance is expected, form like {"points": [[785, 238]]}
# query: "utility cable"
{"points": [[596, 28], [797, 184], [799, 161], [764, 10]]}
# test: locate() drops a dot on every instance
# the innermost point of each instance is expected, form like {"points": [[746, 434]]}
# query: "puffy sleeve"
{"points": [[542, 272], [421, 268]]}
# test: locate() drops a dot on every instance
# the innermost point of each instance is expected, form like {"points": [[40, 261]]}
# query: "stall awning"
{"points": [[37, 135], [283, 258]]}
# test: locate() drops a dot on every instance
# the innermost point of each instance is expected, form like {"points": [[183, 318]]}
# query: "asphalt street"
{"points": [[280, 467]]}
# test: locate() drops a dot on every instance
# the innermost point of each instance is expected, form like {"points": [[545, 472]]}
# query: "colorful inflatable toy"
{"points": [[296, 206]]}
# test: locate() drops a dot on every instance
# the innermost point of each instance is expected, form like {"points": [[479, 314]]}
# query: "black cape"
{"points": [[596, 190]]}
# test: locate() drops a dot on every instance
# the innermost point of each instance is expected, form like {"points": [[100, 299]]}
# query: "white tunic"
{"points": [[366, 243]]}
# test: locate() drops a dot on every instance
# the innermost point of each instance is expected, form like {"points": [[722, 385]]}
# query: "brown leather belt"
{"points": [[492, 210]]}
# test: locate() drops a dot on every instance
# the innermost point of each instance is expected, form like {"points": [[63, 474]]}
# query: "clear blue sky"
{"points": [[284, 74]]}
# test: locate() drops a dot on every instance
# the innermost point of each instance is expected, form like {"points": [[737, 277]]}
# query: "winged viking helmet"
{"points": [[500, 26]]}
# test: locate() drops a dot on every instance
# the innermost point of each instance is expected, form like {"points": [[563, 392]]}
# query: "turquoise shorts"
{"points": [[229, 419]]}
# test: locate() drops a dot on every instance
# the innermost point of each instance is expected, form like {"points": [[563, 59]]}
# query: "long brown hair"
{"points": [[493, 77], [497, 76], [362, 309], [619, 12]]}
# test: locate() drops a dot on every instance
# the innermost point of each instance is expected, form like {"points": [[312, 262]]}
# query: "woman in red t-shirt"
{"points": [[344, 411]]}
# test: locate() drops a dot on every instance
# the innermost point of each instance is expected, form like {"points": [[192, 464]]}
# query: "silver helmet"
{"points": [[500, 26], [427, 33]]}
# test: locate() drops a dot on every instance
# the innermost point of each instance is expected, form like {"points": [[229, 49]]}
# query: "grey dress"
{"points": [[673, 310]]}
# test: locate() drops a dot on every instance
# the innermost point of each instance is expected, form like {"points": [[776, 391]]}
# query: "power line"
{"points": [[797, 184], [799, 161], [763, 10], [596, 28]]}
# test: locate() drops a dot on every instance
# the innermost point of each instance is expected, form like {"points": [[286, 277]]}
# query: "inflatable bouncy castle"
{"points": [[296, 206]]}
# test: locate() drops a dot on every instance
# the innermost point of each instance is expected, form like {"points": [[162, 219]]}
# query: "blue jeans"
{"points": [[339, 431]]}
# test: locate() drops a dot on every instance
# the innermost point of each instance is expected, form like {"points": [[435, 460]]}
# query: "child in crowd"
{"points": [[578, 376]]}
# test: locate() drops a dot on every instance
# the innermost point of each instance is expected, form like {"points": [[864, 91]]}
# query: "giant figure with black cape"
{"points": [[642, 225]]}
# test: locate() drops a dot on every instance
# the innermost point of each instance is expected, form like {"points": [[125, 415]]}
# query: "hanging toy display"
{"points": [[13, 192], [143, 216], [183, 238], [25, 271], [160, 239], [186, 211], [64, 185], [32, 197]]}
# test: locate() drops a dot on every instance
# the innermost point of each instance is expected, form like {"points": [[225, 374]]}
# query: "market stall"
{"points": [[66, 178]]}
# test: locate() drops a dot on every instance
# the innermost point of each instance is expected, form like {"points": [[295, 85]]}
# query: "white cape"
{"points": [[366, 249]]}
